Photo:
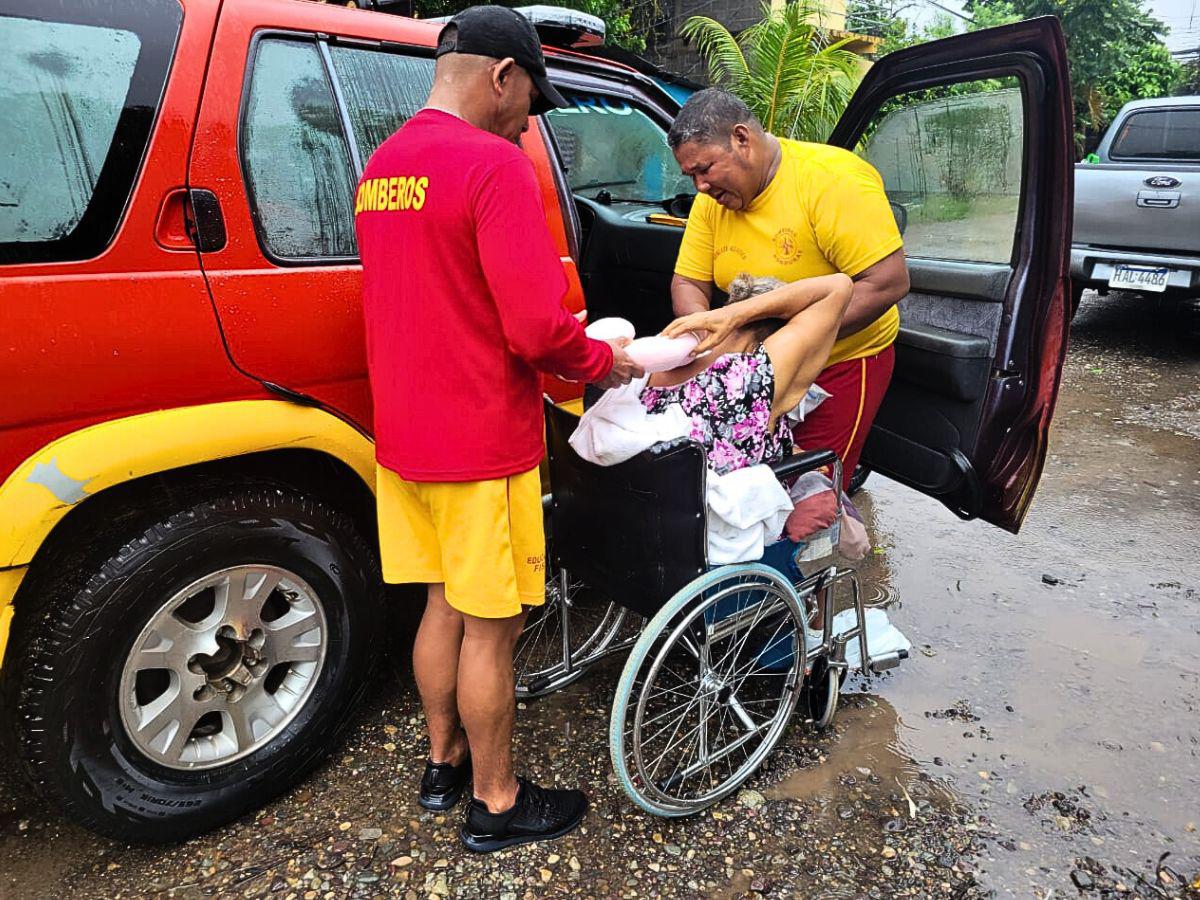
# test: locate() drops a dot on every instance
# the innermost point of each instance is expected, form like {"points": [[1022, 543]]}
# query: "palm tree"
{"points": [[785, 67]]}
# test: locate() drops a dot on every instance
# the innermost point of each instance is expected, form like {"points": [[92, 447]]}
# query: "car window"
{"points": [[297, 162], [608, 143], [381, 91], [952, 160], [74, 85], [1159, 134]]}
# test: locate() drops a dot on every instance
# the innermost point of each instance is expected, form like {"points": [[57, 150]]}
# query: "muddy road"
{"points": [[1044, 740]]}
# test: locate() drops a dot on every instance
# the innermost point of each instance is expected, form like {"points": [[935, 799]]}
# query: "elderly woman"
{"points": [[756, 360]]}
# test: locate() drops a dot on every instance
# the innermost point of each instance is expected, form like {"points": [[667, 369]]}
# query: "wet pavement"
{"points": [[1044, 740]]}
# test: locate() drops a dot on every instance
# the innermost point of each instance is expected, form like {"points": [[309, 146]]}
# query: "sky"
{"points": [[1181, 16]]}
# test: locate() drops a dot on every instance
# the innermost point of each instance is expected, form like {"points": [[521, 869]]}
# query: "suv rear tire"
{"points": [[264, 658]]}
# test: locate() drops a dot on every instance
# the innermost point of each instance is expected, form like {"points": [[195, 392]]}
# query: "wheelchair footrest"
{"points": [[887, 661]]}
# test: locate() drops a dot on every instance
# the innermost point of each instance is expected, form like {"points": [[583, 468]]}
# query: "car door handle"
{"points": [[206, 223], [1158, 199]]}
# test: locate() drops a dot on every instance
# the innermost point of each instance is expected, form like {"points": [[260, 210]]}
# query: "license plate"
{"points": [[1139, 278]]}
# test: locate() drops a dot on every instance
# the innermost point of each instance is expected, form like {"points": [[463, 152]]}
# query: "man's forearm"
{"points": [[867, 304], [688, 297], [876, 290]]}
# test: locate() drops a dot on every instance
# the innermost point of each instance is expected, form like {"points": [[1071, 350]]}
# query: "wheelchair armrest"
{"points": [[803, 462]]}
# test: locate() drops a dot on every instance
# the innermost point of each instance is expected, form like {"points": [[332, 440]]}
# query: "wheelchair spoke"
{"points": [[662, 715], [540, 656], [744, 637], [687, 707], [674, 742], [695, 749]]}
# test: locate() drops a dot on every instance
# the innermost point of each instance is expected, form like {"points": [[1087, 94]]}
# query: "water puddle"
{"points": [[869, 754]]}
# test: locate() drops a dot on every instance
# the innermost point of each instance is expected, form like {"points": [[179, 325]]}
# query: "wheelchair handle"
{"points": [[805, 462]]}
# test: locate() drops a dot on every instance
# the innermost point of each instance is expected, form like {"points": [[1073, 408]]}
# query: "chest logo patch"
{"points": [[787, 246]]}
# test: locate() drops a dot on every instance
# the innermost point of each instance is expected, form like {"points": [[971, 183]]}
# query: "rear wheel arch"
{"points": [[72, 471], [104, 520]]}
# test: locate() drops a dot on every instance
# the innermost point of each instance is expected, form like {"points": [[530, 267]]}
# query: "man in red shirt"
{"points": [[463, 290]]}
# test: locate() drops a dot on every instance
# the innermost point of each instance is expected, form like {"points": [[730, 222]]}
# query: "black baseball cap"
{"points": [[500, 32]]}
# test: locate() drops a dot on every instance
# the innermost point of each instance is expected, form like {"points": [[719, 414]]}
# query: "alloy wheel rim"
{"points": [[223, 667]]}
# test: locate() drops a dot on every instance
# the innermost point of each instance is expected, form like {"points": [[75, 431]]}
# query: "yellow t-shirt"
{"points": [[824, 211]]}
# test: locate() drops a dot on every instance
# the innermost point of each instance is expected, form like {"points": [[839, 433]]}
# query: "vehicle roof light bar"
{"points": [[557, 26]]}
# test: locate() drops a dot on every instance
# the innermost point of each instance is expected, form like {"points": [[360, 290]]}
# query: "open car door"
{"points": [[973, 137]]}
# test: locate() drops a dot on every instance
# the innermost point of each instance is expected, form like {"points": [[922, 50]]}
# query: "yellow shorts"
{"points": [[483, 539]]}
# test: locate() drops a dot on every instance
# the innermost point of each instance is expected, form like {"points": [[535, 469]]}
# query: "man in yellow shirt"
{"points": [[769, 206]]}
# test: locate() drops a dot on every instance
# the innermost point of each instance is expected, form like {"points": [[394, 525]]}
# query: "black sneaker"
{"points": [[442, 784], [538, 815]]}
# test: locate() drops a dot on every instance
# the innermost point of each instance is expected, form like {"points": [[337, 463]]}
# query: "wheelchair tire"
{"points": [[685, 615]]}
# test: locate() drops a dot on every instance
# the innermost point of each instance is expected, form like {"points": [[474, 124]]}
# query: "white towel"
{"points": [[747, 509], [618, 427]]}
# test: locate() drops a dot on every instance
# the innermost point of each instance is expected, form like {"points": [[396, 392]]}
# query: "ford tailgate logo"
{"points": [[1161, 181]]}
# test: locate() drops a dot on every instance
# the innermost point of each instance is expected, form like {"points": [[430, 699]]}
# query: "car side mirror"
{"points": [[900, 212]]}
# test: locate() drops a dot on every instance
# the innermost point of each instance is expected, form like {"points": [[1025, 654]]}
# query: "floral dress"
{"points": [[729, 404]]}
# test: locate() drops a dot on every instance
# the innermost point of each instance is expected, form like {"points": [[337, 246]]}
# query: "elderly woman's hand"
{"points": [[712, 326]]}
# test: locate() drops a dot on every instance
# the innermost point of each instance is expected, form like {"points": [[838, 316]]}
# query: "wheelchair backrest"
{"points": [[635, 532]]}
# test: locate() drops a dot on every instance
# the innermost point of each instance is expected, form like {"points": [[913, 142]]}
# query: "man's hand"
{"points": [[713, 326], [624, 369]]}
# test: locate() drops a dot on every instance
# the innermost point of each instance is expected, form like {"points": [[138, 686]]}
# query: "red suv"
{"points": [[188, 563]]}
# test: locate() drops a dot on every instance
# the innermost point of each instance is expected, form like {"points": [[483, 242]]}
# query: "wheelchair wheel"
{"points": [[538, 658], [708, 689]]}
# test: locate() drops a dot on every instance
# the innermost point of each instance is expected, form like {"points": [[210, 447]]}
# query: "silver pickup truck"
{"points": [[1137, 202]]}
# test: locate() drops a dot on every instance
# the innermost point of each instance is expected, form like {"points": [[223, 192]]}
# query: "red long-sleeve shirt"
{"points": [[462, 292]]}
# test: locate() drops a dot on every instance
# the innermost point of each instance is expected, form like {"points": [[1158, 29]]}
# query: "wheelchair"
{"points": [[718, 658]]}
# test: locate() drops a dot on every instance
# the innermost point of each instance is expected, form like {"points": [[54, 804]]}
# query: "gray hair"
{"points": [[708, 117], [746, 286]]}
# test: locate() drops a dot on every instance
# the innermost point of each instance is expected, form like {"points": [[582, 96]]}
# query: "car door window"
{"points": [[608, 143], [1166, 134], [79, 87], [296, 158], [951, 160], [381, 91]]}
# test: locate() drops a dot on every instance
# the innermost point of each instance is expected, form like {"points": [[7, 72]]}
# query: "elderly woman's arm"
{"points": [[783, 302], [800, 349]]}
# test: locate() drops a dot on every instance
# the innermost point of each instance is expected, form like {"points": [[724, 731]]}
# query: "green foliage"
{"points": [[942, 208], [786, 67], [879, 18], [627, 25], [1115, 50], [1150, 72], [1189, 80]]}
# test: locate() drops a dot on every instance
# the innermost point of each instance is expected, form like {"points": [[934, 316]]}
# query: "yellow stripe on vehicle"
{"points": [[10, 580], [44, 488]]}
